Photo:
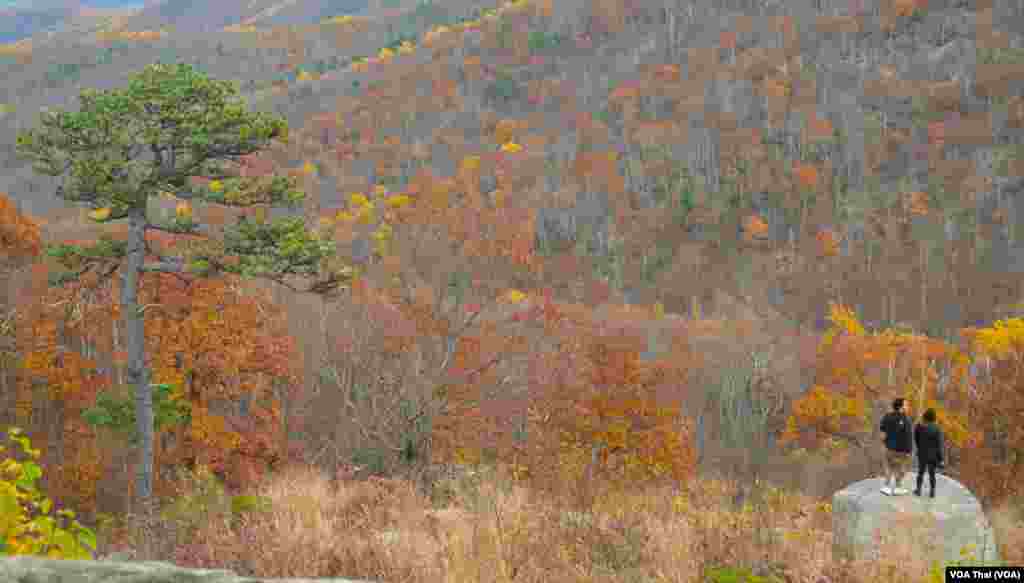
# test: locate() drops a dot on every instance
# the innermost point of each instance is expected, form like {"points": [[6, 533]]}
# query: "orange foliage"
{"points": [[19, 235], [905, 8], [860, 371], [755, 227], [806, 174], [590, 394], [667, 73], [916, 203], [819, 128], [507, 130], [828, 242], [618, 406], [210, 340], [776, 87], [67, 376], [995, 408]]}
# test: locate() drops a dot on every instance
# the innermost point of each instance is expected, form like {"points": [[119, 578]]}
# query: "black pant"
{"points": [[930, 466]]}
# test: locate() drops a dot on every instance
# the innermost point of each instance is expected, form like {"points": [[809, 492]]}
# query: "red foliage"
{"points": [[727, 40], [937, 133]]}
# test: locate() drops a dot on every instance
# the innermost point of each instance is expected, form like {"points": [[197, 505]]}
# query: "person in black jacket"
{"points": [[898, 430], [928, 439]]}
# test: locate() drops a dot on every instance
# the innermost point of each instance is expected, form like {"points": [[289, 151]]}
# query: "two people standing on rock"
{"points": [[900, 438]]}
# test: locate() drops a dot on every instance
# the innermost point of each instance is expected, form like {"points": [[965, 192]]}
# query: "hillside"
{"points": [[672, 190], [933, 47], [24, 20], [21, 20]]}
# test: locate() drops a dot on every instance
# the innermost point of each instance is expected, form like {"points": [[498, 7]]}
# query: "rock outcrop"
{"points": [[938, 528], [41, 570]]}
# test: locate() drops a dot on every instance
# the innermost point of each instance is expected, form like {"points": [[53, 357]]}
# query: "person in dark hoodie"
{"points": [[898, 430], [929, 443]]}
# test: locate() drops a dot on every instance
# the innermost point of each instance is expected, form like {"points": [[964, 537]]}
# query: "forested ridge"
{"points": [[662, 265]]}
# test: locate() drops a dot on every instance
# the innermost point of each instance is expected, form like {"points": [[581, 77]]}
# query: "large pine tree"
{"points": [[122, 147]]}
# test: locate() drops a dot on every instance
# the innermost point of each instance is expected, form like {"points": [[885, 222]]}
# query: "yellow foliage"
{"points": [[366, 215], [511, 147], [239, 28], [515, 296], [344, 216], [1004, 338], [216, 185], [100, 215], [386, 53], [843, 321], [37, 535], [346, 19], [359, 199], [471, 162], [398, 201], [382, 233], [382, 237], [308, 168]]}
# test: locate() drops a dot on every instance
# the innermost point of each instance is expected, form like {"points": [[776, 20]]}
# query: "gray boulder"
{"points": [[939, 527], [24, 569]]}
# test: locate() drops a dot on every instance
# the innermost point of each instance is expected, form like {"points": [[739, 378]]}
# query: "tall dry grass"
{"points": [[494, 529]]}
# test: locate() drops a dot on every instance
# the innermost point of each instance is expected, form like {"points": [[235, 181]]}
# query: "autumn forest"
{"points": [[543, 291]]}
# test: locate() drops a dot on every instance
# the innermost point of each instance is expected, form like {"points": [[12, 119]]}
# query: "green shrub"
{"points": [[734, 575], [539, 41], [249, 504], [370, 458], [1007, 56], [505, 88], [968, 557], [118, 414], [202, 499]]}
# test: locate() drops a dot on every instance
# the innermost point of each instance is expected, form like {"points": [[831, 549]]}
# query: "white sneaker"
{"points": [[900, 492], [887, 490]]}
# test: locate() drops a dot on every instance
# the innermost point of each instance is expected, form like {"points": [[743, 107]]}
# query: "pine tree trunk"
{"points": [[138, 375]]}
